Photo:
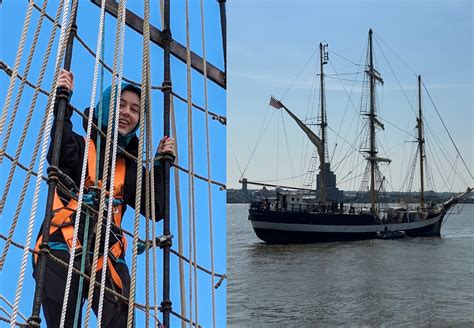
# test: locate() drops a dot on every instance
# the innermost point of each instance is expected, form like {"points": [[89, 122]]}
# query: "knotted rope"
{"points": [[60, 54]]}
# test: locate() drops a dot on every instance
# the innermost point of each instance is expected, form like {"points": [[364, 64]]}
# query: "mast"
{"points": [[421, 142], [373, 150], [374, 77], [322, 159]]}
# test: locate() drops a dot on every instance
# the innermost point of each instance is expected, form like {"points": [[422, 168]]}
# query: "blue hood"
{"points": [[104, 102]]}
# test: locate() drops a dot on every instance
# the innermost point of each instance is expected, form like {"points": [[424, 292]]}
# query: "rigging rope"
{"points": [[11, 306], [356, 113], [83, 174], [123, 151], [262, 131], [110, 291], [115, 96], [150, 188], [47, 125], [304, 150], [65, 190], [150, 216], [298, 75], [288, 148], [49, 112], [396, 78], [447, 131], [191, 207], [143, 104], [208, 152], [82, 183], [179, 217], [399, 58], [25, 76], [114, 101], [20, 147], [19, 54], [220, 118], [85, 255], [348, 60], [443, 151]]}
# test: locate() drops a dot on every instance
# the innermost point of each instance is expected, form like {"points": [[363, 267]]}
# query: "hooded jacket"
{"points": [[72, 153]]}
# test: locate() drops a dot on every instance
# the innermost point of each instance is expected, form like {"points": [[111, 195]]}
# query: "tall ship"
{"points": [[296, 217]]}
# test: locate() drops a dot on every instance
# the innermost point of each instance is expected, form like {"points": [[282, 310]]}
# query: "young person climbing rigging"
{"points": [[71, 156]]}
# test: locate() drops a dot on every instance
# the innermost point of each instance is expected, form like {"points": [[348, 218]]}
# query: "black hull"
{"points": [[301, 227]]}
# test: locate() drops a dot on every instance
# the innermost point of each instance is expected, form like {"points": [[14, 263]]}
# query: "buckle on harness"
{"points": [[112, 256], [92, 196]]}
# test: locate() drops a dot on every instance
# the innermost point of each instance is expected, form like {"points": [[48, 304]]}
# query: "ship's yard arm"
{"points": [[311, 135]]}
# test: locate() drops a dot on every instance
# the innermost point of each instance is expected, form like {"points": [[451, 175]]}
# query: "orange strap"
{"points": [[116, 250], [63, 213]]}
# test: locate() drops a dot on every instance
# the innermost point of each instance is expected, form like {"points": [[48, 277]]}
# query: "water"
{"points": [[422, 282]]}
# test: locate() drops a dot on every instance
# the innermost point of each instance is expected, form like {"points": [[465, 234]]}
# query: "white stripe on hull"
{"points": [[344, 228]]}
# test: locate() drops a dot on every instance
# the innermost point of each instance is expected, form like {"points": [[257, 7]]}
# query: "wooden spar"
{"points": [[167, 87], [223, 30], [158, 37], [275, 186], [315, 140], [62, 98], [421, 142], [322, 159], [373, 151]]}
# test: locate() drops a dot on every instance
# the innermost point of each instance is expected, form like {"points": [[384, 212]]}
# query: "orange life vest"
{"points": [[64, 215]]}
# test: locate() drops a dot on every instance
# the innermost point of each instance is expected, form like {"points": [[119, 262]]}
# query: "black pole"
{"points": [[224, 32], [62, 96], [373, 151], [166, 302]]}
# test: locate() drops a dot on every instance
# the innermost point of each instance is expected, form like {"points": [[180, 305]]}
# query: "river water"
{"points": [[411, 282]]}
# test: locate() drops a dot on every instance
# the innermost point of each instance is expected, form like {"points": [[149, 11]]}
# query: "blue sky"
{"points": [[271, 41], [12, 15]]}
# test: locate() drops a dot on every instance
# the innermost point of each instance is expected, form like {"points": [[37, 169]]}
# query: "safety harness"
{"points": [[64, 215]]}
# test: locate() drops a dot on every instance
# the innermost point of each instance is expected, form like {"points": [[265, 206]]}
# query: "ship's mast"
{"points": [[322, 159], [421, 142], [373, 150], [374, 77]]}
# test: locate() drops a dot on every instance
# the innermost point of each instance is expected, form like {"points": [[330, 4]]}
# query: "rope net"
{"points": [[28, 75]]}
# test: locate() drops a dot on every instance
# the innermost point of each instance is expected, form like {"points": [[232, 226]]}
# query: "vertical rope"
{"points": [[180, 218], [147, 231], [208, 148], [112, 120], [88, 229], [23, 82], [21, 45], [103, 192], [151, 197], [192, 223], [52, 98], [85, 248], [146, 84], [33, 104], [148, 217], [178, 199], [34, 154], [83, 172], [143, 105]]}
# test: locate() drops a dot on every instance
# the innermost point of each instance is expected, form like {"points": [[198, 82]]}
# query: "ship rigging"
{"points": [[294, 217]]}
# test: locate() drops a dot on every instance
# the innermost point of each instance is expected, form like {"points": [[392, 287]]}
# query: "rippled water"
{"points": [[422, 282]]}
